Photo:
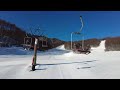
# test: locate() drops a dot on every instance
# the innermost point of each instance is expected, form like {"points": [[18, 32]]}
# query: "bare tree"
{"points": [[37, 31]]}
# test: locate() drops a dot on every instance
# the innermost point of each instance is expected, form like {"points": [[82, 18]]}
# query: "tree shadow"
{"points": [[39, 65], [58, 63], [91, 61], [41, 69], [87, 67]]}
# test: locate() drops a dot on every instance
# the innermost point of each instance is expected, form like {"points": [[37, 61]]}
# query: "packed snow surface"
{"points": [[58, 63]]}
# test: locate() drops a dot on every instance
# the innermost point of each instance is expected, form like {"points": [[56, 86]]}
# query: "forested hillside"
{"points": [[10, 35]]}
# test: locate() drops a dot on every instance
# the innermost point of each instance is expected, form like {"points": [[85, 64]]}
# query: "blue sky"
{"points": [[60, 24]]}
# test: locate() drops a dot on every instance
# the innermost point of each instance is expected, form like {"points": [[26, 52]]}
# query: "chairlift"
{"points": [[27, 42], [82, 48], [43, 41]]}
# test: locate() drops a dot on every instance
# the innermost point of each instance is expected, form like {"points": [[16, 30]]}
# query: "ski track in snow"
{"points": [[58, 63]]}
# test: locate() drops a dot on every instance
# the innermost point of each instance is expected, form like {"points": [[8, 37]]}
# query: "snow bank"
{"points": [[60, 50], [14, 51], [21, 51], [61, 47], [101, 47]]}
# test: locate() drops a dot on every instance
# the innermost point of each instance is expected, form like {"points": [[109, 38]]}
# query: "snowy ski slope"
{"points": [[59, 63]]}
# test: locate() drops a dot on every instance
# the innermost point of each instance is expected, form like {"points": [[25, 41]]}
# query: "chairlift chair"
{"points": [[27, 42], [82, 48], [44, 41]]}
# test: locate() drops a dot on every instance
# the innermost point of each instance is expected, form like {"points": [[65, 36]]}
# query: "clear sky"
{"points": [[60, 24]]}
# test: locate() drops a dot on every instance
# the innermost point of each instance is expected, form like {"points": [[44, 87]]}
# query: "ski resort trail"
{"points": [[100, 48], [68, 65], [59, 63]]}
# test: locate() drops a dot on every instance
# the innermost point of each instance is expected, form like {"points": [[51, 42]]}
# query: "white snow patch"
{"points": [[61, 47], [101, 47]]}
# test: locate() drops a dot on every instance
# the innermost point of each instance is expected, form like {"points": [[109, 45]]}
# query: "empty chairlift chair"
{"points": [[27, 43]]}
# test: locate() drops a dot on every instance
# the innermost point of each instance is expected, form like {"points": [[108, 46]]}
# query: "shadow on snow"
{"points": [[44, 65]]}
